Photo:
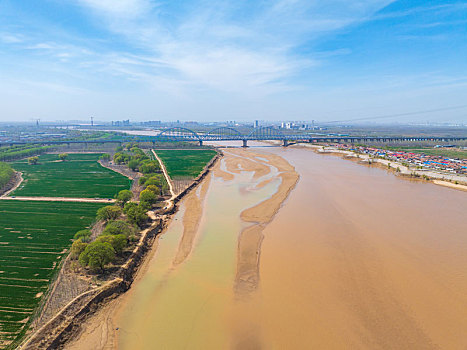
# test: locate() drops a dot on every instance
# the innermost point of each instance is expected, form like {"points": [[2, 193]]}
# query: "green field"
{"points": [[33, 236], [182, 164], [443, 152], [80, 176]]}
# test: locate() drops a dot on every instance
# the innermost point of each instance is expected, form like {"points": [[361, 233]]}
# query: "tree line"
{"points": [[123, 220], [136, 160], [6, 173], [18, 152]]}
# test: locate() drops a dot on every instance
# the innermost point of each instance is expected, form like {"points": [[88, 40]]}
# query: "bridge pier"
{"points": [[285, 143], [200, 143], [244, 143]]}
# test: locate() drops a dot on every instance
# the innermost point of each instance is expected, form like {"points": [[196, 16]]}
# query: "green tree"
{"points": [[84, 235], [33, 160], [149, 167], [6, 173], [120, 158], [96, 255], [136, 213], [118, 227], [109, 212], [154, 188], [142, 180], [105, 157], [77, 248], [153, 180], [63, 156], [148, 197], [118, 242], [133, 164], [124, 196], [144, 206]]}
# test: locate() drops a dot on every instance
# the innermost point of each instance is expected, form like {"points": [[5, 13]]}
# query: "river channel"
{"points": [[289, 249]]}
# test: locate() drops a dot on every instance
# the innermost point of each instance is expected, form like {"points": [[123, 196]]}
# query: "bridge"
{"points": [[231, 134]]}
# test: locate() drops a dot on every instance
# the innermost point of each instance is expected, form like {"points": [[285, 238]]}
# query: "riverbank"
{"points": [[456, 182], [66, 323]]}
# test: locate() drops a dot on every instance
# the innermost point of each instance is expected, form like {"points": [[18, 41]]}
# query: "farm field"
{"points": [[33, 239], [183, 164], [80, 176], [443, 152]]}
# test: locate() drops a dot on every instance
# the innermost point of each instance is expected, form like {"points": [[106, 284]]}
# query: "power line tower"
{"points": [[92, 121], [37, 121]]}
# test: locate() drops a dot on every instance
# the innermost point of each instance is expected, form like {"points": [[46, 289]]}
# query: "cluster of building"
{"points": [[298, 125], [30, 136], [453, 165]]}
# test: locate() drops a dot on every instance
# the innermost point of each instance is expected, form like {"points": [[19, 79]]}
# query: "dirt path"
{"points": [[59, 199], [169, 181]]}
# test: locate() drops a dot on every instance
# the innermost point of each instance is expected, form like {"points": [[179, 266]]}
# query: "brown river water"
{"points": [[331, 255]]}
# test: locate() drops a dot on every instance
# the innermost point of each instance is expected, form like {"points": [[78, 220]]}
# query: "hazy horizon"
{"points": [[330, 60]]}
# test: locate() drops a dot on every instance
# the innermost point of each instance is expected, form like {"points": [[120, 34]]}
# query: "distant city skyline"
{"points": [[324, 60]]}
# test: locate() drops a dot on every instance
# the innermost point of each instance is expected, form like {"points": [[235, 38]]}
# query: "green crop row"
{"points": [[80, 176], [182, 164], [33, 239]]}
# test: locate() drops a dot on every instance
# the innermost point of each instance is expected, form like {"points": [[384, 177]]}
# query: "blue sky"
{"points": [[233, 60]]}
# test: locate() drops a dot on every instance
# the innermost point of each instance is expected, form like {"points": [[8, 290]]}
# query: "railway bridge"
{"points": [[232, 134]]}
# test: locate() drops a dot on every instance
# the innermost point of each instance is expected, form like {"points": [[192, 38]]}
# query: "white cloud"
{"points": [[211, 45], [10, 38], [119, 8]]}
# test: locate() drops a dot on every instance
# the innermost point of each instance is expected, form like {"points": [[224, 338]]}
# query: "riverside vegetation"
{"points": [[123, 220], [137, 160]]}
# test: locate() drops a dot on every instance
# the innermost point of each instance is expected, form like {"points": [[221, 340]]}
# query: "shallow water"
{"points": [[355, 258]]}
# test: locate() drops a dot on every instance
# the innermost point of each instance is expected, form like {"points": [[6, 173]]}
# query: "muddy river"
{"points": [[289, 249]]}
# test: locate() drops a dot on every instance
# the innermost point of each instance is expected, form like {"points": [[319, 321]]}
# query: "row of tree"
{"points": [[135, 158], [6, 173], [15, 152], [123, 219], [122, 222]]}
